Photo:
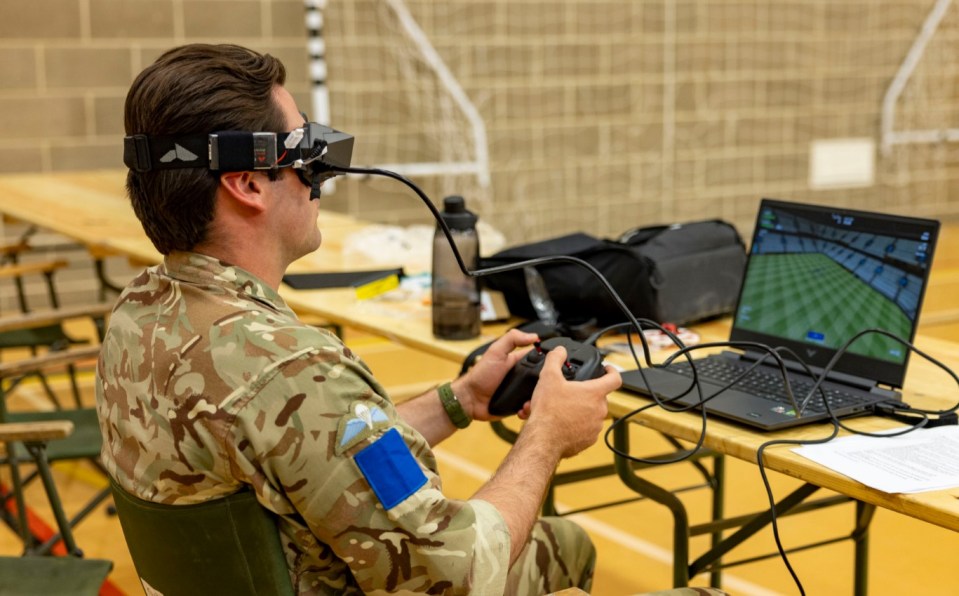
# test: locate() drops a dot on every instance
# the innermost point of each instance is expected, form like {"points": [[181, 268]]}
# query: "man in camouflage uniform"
{"points": [[208, 382]]}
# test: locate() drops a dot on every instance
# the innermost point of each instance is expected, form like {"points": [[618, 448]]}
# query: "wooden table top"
{"points": [[92, 208]]}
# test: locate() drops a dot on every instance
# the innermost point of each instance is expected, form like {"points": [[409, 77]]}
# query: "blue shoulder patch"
{"points": [[391, 469]]}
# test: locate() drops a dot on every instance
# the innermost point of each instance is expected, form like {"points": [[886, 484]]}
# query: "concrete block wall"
{"points": [[607, 114], [601, 114]]}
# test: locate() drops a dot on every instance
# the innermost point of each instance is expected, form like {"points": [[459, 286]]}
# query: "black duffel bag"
{"points": [[678, 274]]}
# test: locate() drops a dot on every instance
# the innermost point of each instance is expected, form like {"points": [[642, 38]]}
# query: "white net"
{"points": [[920, 118], [417, 121]]}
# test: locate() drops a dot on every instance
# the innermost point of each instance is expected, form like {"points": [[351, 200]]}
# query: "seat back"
{"points": [[223, 546]]}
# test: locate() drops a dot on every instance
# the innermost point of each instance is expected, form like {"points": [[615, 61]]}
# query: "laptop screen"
{"points": [[817, 275]]}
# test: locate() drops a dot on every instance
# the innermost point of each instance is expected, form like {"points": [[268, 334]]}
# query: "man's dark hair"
{"points": [[189, 90]]}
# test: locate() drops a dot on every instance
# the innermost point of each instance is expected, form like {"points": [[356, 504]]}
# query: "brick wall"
{"points": [[601, 114]]}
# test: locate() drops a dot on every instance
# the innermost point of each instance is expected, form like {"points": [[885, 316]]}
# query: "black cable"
{"points": [[482, 272], [637, 324], [912, 348], [701, 403], [837, 424], [772, 499]]}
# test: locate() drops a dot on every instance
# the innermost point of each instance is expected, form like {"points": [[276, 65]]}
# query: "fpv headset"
{"points": [[314, 151]]}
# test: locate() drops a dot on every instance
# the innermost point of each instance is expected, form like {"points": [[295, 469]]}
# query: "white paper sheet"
{"points": [[923, 460]]}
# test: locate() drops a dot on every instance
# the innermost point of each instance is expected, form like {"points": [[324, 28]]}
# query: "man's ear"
{"points": [[244, 187]]}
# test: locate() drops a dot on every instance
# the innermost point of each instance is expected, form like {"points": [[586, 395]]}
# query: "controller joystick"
{"points": [[583, 362], [536, 355]]}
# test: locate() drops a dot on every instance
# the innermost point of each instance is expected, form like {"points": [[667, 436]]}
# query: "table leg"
{"points": [[860, 537]]}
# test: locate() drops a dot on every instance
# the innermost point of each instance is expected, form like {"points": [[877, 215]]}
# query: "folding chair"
{"points": [[224, 546], [83, 443], [46, 575], [50, 335]]}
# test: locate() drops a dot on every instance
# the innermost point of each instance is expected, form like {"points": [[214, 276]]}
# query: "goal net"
{"points": [[919, 124], [415, 119]]}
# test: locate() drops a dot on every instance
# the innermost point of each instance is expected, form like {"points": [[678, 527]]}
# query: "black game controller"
{"points": [[583, 362]]}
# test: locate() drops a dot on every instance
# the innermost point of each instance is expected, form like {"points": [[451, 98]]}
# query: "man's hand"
{"points": [[476, 387], [564, 417], [571, 412]]}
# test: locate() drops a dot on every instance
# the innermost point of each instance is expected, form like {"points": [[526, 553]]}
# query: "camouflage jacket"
{"points": [[207, 381]]}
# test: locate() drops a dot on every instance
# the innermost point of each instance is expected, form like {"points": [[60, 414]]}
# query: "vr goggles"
{"points": [[314, 151]]}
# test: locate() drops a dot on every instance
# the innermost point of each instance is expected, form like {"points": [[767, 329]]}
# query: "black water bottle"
{"points": [[456, 296]]}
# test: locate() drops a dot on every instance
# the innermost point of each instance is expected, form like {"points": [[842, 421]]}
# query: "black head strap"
{"points": [[142, 153], [224, 151]]}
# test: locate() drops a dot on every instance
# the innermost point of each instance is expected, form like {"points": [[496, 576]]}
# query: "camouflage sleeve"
{"points": [[320, 440]]}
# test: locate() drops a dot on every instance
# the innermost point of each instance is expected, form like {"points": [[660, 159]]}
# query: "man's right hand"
{"points": [[570, 413], [563, 418]]}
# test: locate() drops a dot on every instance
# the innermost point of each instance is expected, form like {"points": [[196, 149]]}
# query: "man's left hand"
{"points": [[476, 387]]}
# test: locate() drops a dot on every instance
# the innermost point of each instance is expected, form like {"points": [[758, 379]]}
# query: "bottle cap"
{"points": [[455, 214]]}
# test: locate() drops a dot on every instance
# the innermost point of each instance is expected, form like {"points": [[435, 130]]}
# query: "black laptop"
{"points": [[815, 277]]}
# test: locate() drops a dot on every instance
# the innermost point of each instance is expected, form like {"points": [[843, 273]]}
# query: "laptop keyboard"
{"points": [[768, 385]]}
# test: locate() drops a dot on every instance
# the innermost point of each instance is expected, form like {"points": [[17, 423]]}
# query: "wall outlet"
{"points": [[842, 163]]}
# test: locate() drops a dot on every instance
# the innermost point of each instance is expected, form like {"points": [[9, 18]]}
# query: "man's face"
{"points": [[295, 214]]}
